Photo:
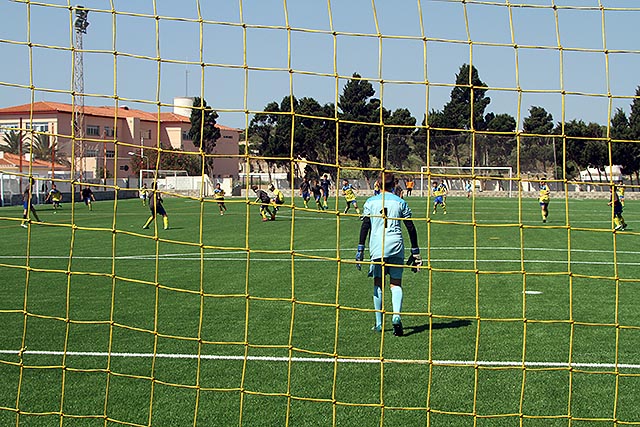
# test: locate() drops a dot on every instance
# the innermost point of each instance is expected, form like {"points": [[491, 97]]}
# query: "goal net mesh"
{"points": [[511, 321]]}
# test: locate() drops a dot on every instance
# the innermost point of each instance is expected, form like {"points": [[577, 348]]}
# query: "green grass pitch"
{"points": [[226, 320]]}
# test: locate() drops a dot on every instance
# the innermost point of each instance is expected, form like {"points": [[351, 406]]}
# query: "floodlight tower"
{"points": [[80, 25]]}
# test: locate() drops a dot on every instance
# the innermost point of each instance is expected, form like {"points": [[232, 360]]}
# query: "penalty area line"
{"points": [[470, 363]]}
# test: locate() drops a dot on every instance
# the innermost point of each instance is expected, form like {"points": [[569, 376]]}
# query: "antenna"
{"points": [[186, 82]]}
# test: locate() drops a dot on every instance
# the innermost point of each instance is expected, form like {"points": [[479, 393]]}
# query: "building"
{"points": [[13, 164], [114, 137]]}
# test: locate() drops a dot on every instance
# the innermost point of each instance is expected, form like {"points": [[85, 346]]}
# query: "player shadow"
{"points": [[410, 330]]}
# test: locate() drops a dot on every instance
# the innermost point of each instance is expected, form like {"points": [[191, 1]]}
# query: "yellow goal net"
{"points": [[186, 186]]}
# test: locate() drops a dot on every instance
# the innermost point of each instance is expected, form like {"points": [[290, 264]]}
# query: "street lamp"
{"points": [[146, 159]]}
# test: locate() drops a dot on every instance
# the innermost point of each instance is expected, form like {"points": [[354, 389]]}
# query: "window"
{"points": [[8, 127], [93, 130], [110, 154], [185, 135], [227, 136], [91, 152], [36, 126], [109, 131]]}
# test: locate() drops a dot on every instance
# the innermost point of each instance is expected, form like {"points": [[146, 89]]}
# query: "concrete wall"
{"points": [[16, 199]]}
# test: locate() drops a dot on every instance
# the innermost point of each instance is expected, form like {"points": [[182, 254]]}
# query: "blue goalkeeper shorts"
{"points": [[392, 267]]}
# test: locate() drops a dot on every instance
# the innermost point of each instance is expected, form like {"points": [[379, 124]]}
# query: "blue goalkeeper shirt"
{"points": [[385, 211]]}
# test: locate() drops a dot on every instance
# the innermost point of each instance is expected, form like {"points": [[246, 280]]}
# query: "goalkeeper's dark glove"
{"points": [[415, 260], [359, 256]]}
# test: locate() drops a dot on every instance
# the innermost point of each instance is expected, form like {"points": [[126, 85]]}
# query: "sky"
{"points": [[526, 51]]}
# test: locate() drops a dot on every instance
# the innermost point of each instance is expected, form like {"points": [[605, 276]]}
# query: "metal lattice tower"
{"points": [[80, 25]]}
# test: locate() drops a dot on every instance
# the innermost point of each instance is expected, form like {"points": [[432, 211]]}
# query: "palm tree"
{"points": [[41, 146], [12, 142]]}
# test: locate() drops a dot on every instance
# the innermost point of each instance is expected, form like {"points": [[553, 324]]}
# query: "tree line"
{"points": [[360, 133]]}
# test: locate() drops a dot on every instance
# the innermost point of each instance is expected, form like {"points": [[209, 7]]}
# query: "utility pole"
{"points": [[80, 25]]}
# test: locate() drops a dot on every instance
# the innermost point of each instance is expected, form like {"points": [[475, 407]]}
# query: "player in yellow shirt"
{"points": [[55, 196], [544, 196], [277, 199], [218, 196], [144, 194], [438, 191], [616, 203], [350, 196], [620, 190]]}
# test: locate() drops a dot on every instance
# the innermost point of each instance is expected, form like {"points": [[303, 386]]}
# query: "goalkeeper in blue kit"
{"points": [[382, 216]]}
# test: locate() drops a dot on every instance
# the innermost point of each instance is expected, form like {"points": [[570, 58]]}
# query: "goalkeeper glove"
{"points": [[359, 256], [415, 260]]}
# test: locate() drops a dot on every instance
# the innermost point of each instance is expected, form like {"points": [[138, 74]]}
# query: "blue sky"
{"points": [[398, 57]]}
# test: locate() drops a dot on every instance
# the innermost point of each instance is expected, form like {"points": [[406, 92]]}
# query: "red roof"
{"points": [[122, 111], [8, 160]]}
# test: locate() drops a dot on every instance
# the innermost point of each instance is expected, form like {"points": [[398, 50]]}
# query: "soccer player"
{"points": [[55, 196], [278, 197], [317, 192], [438, 198], [156, 207], [468, 189], [618, 220], [383, 216], [409, 185], [444, 190], [87, 197], [305, 187], [325, 183], [27, 205], [544, 196], [350, 196], [376, 187], [620, 190], [218, 196], [144, 193], [265, 200]]}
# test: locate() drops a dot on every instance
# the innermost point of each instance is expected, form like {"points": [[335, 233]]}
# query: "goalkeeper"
{"points": [[383, 215]]}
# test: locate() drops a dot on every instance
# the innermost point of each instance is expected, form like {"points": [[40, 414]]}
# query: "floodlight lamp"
{"points": [[81, 22]]}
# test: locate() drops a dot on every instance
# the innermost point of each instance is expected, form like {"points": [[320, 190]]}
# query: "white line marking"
{"points": [[433, 248], [256, 258], [325, 359]]}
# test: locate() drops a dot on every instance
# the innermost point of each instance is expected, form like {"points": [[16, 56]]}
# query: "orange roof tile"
{"points": [[105, 111], [9, 160]]}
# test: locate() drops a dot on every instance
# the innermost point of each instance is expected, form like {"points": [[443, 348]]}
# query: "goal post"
{"points": [[482, 178], [146, 175], [177, 181]]}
